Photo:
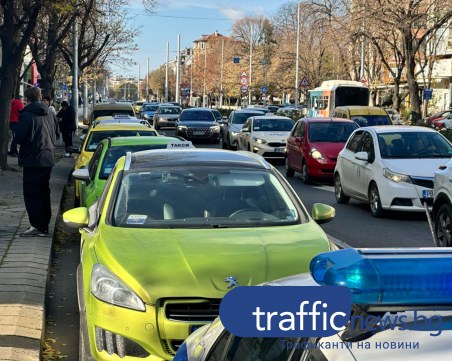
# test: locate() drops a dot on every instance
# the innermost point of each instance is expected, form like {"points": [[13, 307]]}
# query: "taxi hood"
{"points": [[168, 263], [418, 167]]}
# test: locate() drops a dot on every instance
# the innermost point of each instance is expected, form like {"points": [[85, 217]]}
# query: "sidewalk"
{"points": [[24, 265]]}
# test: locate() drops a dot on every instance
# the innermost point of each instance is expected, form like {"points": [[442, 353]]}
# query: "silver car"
{"points": [[230, 130]]}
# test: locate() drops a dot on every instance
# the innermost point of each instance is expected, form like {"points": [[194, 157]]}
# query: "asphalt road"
{"points": [[353, 225]]}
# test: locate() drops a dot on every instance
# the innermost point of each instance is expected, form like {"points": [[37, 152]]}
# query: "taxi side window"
{"points": [[367, 145], [103, 197], [297, 130], [354, 142], [94, 162]]}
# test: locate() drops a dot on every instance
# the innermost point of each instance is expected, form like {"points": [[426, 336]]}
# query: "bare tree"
{"points": [[18, 22], [416, 23]]}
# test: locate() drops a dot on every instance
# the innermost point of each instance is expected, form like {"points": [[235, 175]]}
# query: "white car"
{"points": [[401, 277], [265, 135], [442, 205], [390, 167]]}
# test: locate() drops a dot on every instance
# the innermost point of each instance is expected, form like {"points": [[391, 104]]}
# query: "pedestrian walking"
{"points": [[48, 101], [16, 107], [36, 133], [66, 119]]}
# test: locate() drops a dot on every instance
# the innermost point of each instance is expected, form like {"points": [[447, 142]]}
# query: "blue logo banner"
{"points": [[269, 311]]}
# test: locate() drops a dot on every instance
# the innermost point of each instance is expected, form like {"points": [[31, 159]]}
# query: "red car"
{"points": [[437, 116], [313, 146]]}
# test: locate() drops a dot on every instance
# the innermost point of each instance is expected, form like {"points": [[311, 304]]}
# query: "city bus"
{"points": [[335, 93]]}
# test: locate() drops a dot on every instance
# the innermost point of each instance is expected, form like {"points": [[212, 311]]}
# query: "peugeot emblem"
{"points": [[232, 281]]}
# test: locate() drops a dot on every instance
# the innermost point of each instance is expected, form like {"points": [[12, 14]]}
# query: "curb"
{"points": [[24, 269]]}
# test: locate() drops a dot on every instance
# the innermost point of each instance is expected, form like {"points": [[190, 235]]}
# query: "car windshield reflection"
{"points": [[203, 198]]}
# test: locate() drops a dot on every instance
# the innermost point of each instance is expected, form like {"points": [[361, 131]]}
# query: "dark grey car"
{"points": [[166, 116], [198, 124]]}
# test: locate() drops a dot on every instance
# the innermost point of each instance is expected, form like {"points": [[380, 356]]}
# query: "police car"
{"points": [[404, 297]]}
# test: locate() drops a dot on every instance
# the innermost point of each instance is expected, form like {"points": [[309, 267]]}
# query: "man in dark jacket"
{"points": [[37, 134], [66, 117]]}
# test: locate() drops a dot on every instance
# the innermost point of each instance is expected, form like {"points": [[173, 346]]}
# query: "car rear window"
{"points": [[197, 115], [96, 137], [371, 120]]}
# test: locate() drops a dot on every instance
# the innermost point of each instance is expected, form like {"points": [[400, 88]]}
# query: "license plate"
{"points": [[279, 150], [198, 133], [427, 194]]}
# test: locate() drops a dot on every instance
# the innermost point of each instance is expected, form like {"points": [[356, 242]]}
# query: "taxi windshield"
{"points": [[273, 125], [203, 197], [96, 137]]}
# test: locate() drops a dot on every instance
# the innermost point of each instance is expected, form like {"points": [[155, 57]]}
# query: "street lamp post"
{"points": [[204, 95], [297, 60]]}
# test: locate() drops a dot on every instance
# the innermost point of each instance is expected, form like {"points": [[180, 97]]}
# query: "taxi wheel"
{"points": [[374, 201], [306, 179], [289, 171], [443, 226], [338, 192]]}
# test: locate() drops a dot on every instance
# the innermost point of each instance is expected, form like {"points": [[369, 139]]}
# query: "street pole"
{"points": [[221, 73], [297, 95], [204, 100], [74, 98], [191, 81], [85, 100], [166, 72], [251, 68], [147, 83], [178, 68], [138, 90], [363, 39]]}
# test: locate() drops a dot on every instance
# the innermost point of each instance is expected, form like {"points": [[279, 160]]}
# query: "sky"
{"points": [[189, 18]]}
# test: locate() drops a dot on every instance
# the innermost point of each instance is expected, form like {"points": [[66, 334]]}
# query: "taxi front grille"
{"points": [[277, 144], [199, 311], [423, 182]]}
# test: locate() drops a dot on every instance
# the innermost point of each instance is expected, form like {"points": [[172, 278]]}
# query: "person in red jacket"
{"points": [[16, 107]]}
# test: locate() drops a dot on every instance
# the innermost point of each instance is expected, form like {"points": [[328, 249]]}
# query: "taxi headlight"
{"points": [[108, 288], [396, 177], [260, 140], [316, 154], [181, 127], [215, 128], [233, 133]]}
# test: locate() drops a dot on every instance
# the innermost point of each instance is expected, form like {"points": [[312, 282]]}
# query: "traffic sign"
{"points": [[304, 82], [244, 81], [363, 80], [64, 86], [243, 74], [236, 59], [428, 93], [244, 88], [264, 89]]}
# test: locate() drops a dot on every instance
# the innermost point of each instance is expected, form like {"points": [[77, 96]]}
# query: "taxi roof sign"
{"points": [[180, 145], [122, 116]]}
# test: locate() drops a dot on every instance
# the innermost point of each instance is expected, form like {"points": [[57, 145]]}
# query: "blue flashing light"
{"points": [[388, 276]]}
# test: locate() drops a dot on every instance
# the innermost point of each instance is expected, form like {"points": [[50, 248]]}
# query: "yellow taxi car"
{"points": [[99, 132], [109, 109]]}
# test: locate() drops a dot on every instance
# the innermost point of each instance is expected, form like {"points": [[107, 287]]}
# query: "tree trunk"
{"points": [[396, 99], [7, 82], [413, 87]]}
